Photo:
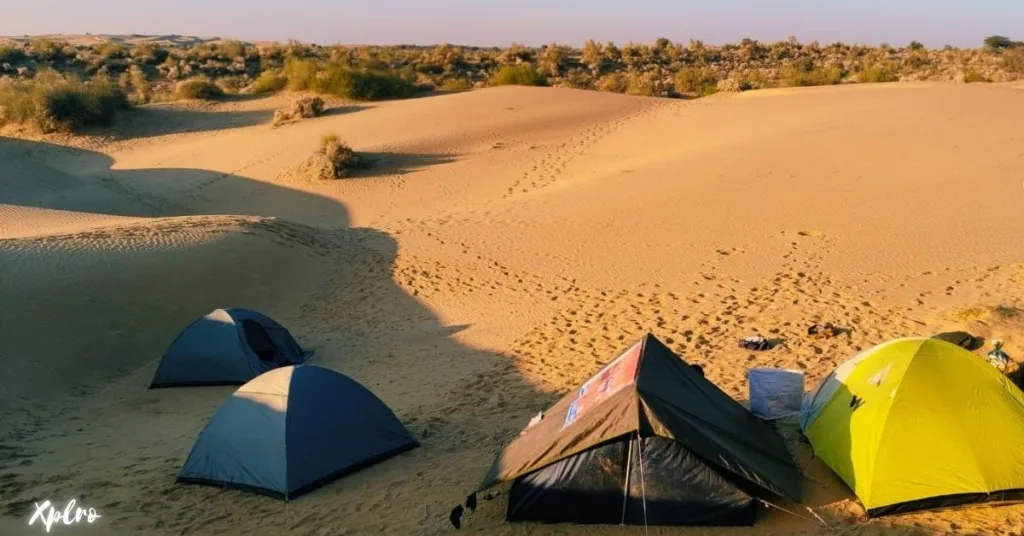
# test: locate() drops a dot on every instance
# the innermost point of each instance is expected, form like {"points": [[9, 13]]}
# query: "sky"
{"points": [[935, 23]]}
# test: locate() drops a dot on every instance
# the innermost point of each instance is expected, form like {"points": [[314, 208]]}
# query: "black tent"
{"points": [[648, 440]]}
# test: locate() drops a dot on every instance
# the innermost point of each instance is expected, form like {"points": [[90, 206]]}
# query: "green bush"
{"points": [[344, 82], [134, 83], [300, 73], [878, 74], [755, 79], [522, 74], [150, 53], [111, 50], [229, 50], [973, 77], [269, 82], [998, 42], [198, 88], [614, 83], [334, 160], [458, 84], [696, 81], [46, 50], [11, 55], [53, 102], [1013, 60], [804, 73], [304, 107]]}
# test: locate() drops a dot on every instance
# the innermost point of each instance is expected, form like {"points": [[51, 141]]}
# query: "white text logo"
{"points": [[49, 515]]}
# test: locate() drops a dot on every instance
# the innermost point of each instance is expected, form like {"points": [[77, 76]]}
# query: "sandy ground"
{"points": [[508, 243]]}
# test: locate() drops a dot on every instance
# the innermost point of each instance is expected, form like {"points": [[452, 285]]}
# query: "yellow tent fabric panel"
{"points": [[930, 419], [847, 439]]}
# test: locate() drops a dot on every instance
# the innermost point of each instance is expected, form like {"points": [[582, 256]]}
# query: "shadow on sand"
{"points": [[176, 118], [100, 328], [44, 175]]}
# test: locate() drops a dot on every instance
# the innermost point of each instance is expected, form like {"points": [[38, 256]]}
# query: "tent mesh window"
{"points": [[259, 340]]}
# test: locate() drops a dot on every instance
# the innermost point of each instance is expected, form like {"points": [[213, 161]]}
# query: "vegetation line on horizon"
{"points": [[56, 86]]}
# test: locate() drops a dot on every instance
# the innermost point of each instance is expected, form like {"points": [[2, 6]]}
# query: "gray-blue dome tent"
{"points": [[293, 429], [227, 347]]}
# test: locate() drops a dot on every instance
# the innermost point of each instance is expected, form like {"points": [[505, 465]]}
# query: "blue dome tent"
{"points": [[293, 429], [227, 347]]}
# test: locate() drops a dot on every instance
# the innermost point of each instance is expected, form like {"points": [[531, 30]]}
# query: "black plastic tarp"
{"points": [[652, 481]]}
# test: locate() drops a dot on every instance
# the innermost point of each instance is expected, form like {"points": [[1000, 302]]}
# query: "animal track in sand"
{"points": [[550, 167]]}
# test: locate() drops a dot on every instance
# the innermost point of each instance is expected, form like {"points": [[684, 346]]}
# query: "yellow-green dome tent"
{"points": [[919, 423]]}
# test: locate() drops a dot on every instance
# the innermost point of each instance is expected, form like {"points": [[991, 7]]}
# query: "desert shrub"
{"points": [[268, 82], [877, 74], [232, 84], [614, 83], [639, 85], [363, 85], [998, 42], [300, 73], [696, 81], [915, 45], [579, 79], [972, 76], [805, 73], [110, 50], [11, 55], [755, 79], [1013, 60], [230, 50], [134, 83], [456, 84], [522, 74], [333, 160], [150, 53], [53, 102], [46, 50], [304, 107], [198, 88]]}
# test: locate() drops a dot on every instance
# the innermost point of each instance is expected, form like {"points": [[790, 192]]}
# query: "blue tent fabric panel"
{"points": [[335, 424], [243, 445], [292, 429], [214, 350], [207, 351]]}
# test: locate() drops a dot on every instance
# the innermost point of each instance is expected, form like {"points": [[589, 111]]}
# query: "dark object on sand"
{"points": [[756, 343], [827, 331], [997, 357], [456, 517], [962, 339]]}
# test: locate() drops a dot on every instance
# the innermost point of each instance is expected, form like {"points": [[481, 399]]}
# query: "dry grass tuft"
{"points": [[696, 82], [522, 74], [304, 107], [198, 88], [334, 160], [54, 102]]}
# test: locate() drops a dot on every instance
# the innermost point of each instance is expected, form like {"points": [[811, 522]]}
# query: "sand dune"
{"points": [[507, 244]]}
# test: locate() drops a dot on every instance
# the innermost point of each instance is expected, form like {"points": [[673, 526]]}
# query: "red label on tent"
{"points": [[618, 374]]}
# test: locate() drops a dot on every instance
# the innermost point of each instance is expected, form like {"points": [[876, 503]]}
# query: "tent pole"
{"points": [[625, 490], [643, 489]]}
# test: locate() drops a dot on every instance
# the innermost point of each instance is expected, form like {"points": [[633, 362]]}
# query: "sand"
{"points": [[507, 243]]}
